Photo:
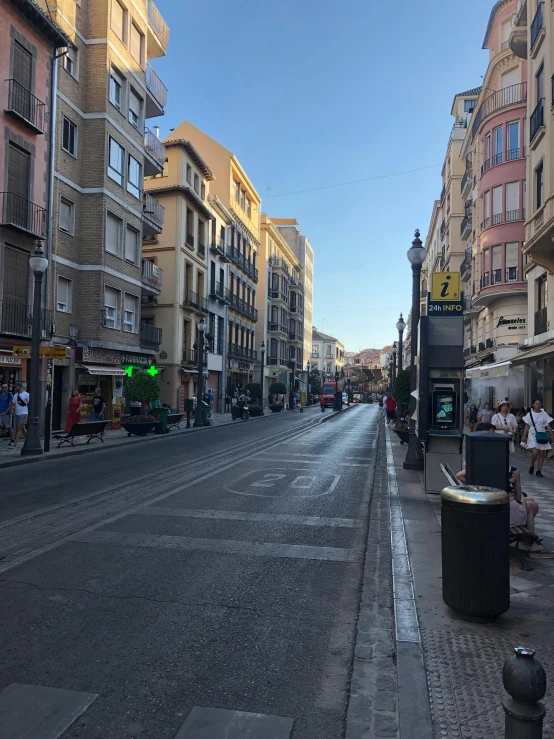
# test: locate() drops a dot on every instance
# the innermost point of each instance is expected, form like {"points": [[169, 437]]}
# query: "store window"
{"points": [[111, 307], [130, 313]]}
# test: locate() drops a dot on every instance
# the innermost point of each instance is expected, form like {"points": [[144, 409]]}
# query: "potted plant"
{"points": [[255, 407], [139, 425], [277, 388], [144, 388]]}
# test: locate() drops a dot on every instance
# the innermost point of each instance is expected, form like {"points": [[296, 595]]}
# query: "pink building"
{"points": [[28, 42]]}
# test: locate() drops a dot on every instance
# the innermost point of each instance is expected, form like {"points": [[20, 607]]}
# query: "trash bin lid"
{"points": [[475, 494]]}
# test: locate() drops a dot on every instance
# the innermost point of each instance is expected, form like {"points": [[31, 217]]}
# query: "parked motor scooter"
{"points": [[240, 411]]}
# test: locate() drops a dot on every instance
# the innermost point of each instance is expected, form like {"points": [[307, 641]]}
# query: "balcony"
{"points": [[465, 267], [481, 346], [195, 301], [201, 250], [158, 31], [443, 227], [190, 358], [443, 193], [16, 319], [157, 97], [153, 214], [512, 215], [150, 336], [512, 95], [541, 322], [485, 166], [469, 162], [155, 154], [537, 24], [22, 215], [242, 352], [241, 306], [465, 185], [277, 328], [536, 121], [465, 228], [250, 270], [24, 106], [295, 336], [189, 241], [297, 309], [152, 275]]}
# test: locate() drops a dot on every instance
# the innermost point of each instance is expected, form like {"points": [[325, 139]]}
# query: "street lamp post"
{"points": [[394, 351], [401, 325], [416, 257], [38, 264], [292, 381], [308, 383], [262, 354], [198, 420]]}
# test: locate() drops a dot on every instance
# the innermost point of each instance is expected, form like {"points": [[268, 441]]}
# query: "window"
{"points": [[115, 162], [512, 201], [469, 106], [114, 234], [66, 219], [70, 60], [134, 177], [129, 313], [132, 249], [496, 275], [541, 292], [236, 190], [137, 44], [498, 145], [512, 149], [111, 307], [248, 207], [496, 205], [135, 109], [116, 89], [63, 295], [196, 183], [539, 84], [69, 137], [487, 205], [512, 258], [538, 185], [118, 19], [487, 150], [189, 174]]}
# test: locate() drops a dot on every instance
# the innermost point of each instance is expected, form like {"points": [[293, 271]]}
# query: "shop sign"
{"points": [[446, 287], [97, 355], [512, 323], [45, 352], [12, 361], [143, 360]]}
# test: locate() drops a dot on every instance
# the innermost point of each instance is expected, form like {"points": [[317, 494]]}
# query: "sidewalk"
{"points": [[116, 438], [463, 660]]}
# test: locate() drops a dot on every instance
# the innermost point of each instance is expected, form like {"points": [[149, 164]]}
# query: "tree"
{"points": [[315, 382], [255, 390], [278, 388], [401, 389], [143, 387]]}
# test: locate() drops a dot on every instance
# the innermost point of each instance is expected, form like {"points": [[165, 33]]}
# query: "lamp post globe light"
{"points": [[400, 326], [262, 355], [416, 257], [39, 265], [198, 419]]}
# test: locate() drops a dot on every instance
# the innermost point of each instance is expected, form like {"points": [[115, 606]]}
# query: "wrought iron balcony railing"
{"points": [[25, 106]]}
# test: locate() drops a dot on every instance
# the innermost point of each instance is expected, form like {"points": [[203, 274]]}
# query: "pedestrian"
{"points": [[297, 398], [485, 415], [211, 398], [74, 410], [20, 408], [6, 416], [98, 405], [390, 406], [537, 436], [505, 422], [472, 417]]}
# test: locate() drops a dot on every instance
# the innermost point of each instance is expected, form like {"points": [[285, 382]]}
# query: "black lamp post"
{"points": [[416, 257], [198, 420], [38, 264], [262, 355], [394, 352], [292, 381], [401, 325], [308, 401]]}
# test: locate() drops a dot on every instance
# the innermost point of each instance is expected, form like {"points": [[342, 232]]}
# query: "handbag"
{"points": [[541, 437], [20, 401]]}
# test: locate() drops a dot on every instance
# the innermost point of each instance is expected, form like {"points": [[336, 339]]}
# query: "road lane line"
{"points": [[310, 461], [220, 546], [347, 523]]}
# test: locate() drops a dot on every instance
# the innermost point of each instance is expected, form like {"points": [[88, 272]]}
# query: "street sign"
{"points": [[46, 352], [442, 308], [446, 287]]}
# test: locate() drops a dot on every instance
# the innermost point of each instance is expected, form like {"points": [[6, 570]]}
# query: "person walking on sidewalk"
{"points": [[390, 406], [20, 407], [98, 405], [6, 399], [505, 422], [74, 411], [485, 415], [537, 436]]}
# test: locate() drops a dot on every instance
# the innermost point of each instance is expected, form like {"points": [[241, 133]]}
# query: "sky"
{"points": [[312, 94]]}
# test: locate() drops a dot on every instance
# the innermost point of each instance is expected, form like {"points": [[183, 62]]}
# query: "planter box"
{"points": [[276, 407], [139, 429]]}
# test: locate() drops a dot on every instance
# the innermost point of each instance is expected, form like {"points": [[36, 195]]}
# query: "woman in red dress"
{"points": [[74, 412]]}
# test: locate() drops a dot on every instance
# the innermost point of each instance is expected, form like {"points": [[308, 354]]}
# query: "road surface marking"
{"points": [[220, 546], [216, 723], [347, 523], [38, 711], [313, 461], [267, 481]]}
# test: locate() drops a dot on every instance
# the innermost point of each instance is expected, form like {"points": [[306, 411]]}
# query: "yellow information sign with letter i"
{"points": [[445, 287]]}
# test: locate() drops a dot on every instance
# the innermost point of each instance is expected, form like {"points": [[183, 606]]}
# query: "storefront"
{"points": [[98, 368], [538, 365], [11, 370]]}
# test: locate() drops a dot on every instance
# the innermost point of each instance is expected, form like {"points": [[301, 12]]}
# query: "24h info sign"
{"points": [[446, 297]]}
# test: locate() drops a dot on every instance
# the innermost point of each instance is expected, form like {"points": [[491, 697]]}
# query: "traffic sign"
{"points": [[21, 351], [446, 287], [46, 352]]}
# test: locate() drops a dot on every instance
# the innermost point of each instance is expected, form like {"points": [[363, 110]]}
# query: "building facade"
{"points": [[328, 355], [29, 43], [107, 91]]}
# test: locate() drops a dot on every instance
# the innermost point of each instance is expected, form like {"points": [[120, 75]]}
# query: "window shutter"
{"points": [[65, 216], [497, 200], [118, 16], [136, 43], [512, 254], [113, 234], [131, 245], [64, 295], [22, 66], [512, 196], [16, 275], [135, 103], [496, 257]]}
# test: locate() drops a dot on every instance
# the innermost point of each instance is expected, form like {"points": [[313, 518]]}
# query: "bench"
{"points": [[518, 534], [174, 419], [91, 429]]}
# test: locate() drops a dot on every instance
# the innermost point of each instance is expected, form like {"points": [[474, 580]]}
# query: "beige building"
{"points": [[532, 39], [107, 91], [237, 195], [328, 355], [282, 311]]}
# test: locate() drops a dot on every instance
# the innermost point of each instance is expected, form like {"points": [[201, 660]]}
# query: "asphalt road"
{"points": [[219, 570]]}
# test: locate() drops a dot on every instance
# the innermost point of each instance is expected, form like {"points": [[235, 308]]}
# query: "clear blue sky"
{"points": [[312, 93]]}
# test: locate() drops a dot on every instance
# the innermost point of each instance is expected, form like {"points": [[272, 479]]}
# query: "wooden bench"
{"points": [[174, 419], [91, 429]]}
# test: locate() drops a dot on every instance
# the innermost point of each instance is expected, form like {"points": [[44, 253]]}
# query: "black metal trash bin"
{"points": [[475, 523]]}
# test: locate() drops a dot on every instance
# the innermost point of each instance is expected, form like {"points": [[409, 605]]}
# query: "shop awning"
{"points": [[534, 353], [500, 369], [188, 371], [102, 370]]}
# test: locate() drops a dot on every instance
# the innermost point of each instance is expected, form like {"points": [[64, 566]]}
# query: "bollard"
{"points": [[525, 681]]}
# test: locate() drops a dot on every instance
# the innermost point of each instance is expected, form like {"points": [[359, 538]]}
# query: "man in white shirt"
{"points": [[20, 406]]}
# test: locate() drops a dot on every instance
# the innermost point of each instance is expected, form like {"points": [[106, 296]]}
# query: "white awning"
{"points": [[501, 369], [188, 371], [102, 370]]}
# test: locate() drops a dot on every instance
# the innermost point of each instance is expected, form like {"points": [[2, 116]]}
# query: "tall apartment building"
{"points": [[107, 90], [532, 39], [282, 311], [328, 355], [29, 42], [290, 230], [239, 199]]}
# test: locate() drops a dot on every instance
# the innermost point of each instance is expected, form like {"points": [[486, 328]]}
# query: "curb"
{"points": [[20, 461]]}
